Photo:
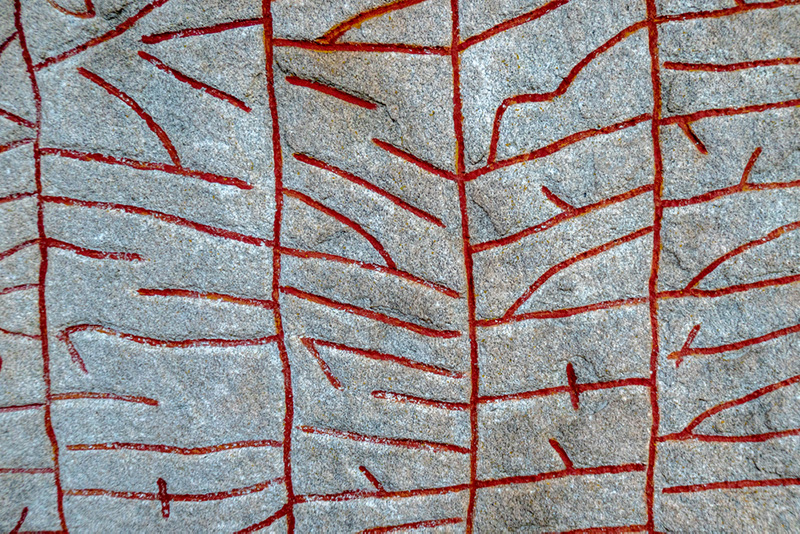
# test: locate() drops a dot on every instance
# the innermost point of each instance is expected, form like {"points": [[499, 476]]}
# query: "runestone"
{"points": [[429, 266]]}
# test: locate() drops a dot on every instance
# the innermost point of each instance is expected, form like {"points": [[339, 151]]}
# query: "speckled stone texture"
{"points": [[399, 266]]}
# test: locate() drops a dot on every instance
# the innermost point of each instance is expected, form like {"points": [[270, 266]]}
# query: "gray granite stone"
{"points": [[399, 266]]}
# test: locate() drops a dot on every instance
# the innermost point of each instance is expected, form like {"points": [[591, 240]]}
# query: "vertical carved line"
{"points": [[658, 210], [277, 155], [467, 251], [43, 245]]}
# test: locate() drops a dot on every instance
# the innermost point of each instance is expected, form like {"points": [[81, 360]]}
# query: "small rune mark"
{"points": [[552, 197], [372, 479], [678, 355], [163, 497], [687, 129], [749, 167], [574, 392], [309, 344], [568, 465]]}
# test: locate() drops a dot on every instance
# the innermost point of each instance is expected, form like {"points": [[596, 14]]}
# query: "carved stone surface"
{"points": [[399, 265]]}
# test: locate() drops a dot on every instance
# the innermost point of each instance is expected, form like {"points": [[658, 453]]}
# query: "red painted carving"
{"points": [[319, 349]]}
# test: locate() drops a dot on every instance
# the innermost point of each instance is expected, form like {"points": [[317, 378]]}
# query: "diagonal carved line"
{"points": [[382, 356], [326, 370], [21, 287], [331, 91], [166, 217], [147, 166], [406, 443], [728, 347], [561, 217], [729, 290], [512, 23], [14, 144], [404, 527], [188, 293], [688, 132], [91, 395], [16, 119], [364, 47], [16, 248], [282, 512], [733, 484], [169, 449], [413, 399], [718, 13], [91, 253], [21, 521], [369, 314], [308, 254], [688, 432], [194, 83], [372, 479], [206, 30], [563, 312], [5, 44], [730, 111], [775, 234], [177, 497], [371, 187], [569, 389], [116, 32], [556, 146], [552, 197], [424, 165], [730, 67]]}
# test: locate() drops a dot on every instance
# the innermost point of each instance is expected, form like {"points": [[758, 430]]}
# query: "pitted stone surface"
{"points": [[399, 265]]}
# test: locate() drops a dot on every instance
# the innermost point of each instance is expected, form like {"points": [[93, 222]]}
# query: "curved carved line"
{"points": [[688, 432], [305, 199], [336, 32], [552, 271], [87, 14], [131, 103], [775, 234]]}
